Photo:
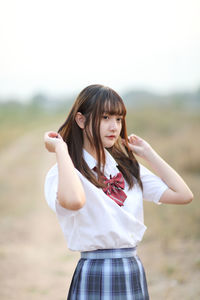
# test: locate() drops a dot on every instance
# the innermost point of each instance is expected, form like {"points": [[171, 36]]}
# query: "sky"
{"points": [[58, 47]]}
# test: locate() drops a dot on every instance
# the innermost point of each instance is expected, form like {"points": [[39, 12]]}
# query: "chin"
{"points": [[109, 145]]}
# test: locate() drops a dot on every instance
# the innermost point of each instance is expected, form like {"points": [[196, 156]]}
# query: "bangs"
{"points": [[113, 106]]}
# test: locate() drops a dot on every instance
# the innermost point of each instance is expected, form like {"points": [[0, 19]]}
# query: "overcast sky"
{"points": [[59, 46]]}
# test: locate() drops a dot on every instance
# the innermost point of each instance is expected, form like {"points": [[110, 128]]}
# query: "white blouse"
{"points": [[101, 223]]}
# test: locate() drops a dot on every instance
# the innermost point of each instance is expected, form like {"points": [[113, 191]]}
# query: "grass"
{"points": [[171, 242], [17, 119], [174, 133]]}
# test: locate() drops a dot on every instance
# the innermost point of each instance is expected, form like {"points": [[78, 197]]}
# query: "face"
{"points": [[110, 128]]}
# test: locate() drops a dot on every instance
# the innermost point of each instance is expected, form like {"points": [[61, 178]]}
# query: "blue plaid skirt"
{"points": [[109, 274]]}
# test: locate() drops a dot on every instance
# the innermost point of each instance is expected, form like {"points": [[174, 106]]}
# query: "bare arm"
{"points": [[70, 190], [178, 192]]}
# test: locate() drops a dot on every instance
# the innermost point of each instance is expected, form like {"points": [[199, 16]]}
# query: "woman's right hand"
{"points": [[53, 139]]}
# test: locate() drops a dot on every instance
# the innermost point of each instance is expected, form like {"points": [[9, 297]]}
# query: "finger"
{"points": [[124, 142], [50, 135], [53, 134], [131, 137], [134, 138], [137, 137], [59, 136]]}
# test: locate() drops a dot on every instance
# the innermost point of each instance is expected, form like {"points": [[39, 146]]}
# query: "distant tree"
{"points": [[198, 94], [39, 100]]}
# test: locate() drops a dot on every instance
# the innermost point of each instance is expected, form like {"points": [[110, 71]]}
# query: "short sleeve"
{"points": [[50, 191], [51, 187], [153, 186]]}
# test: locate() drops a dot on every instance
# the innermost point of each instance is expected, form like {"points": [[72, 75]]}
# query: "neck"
{"points": [[90, 149]]}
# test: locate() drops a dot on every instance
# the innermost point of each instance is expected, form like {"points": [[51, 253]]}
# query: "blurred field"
{"points": [[34, 260]]}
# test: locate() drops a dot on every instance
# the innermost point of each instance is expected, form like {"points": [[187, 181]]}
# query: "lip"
{"points": [[111, 136]]}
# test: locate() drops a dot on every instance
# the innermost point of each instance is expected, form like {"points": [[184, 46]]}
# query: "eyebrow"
{"points": [[113, 113]]}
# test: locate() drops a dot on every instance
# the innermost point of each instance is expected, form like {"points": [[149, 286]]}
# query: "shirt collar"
{"points": [[110, 165]]}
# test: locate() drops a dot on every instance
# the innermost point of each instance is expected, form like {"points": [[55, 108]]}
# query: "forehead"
{"points": [[114, 107]]}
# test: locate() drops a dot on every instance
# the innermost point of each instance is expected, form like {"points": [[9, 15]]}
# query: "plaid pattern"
{"points": [[111, 274]]}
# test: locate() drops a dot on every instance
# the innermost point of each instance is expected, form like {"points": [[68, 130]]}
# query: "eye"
{"points": [[105, 117], [119, 119]]}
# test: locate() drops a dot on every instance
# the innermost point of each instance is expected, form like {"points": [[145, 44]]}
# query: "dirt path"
{"points": [[34, 260], [31, 266]]}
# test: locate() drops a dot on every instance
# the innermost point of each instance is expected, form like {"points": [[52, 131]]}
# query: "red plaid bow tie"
{"points": [[114, 188]]}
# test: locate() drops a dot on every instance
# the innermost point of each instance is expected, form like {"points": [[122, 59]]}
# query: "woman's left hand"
{"points": [[139, 146]]}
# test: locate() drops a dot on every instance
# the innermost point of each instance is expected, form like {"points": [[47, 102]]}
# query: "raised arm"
{"points": [[178, 192], [70, 193]]}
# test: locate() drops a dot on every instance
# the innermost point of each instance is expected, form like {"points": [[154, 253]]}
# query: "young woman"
{"points": [[97, 189]]}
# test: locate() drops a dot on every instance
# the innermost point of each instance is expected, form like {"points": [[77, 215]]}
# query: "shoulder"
{"points": [[147, 175], [144, 171]]}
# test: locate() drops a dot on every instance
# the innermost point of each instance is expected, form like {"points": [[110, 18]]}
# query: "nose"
{"points": [[113, 124]]}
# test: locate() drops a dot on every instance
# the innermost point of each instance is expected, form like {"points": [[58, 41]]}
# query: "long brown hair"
{"points": [[93, 102]]}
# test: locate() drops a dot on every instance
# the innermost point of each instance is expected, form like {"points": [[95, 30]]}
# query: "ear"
{"points": [[80, 120]]}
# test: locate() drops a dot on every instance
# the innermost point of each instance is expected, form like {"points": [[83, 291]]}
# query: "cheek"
{"points": [[102, 127]]}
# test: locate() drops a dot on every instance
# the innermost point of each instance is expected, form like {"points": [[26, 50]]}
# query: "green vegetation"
{"points": [[17, 119], [173, 132], [170, 248]]}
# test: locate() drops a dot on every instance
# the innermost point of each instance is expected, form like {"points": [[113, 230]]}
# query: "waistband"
{"points": [[109, 253]]}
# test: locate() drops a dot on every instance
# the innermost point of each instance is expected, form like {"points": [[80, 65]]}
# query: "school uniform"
{"points": [[106, 234]]}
